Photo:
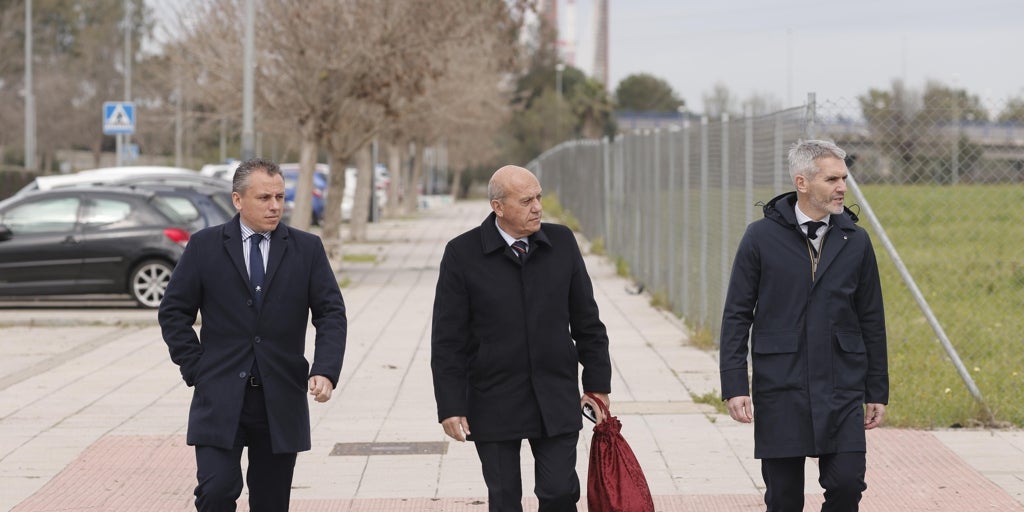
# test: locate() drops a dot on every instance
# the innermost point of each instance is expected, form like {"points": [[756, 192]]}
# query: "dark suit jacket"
{"points": [[503, 351], [211, 278], [818, 348]]}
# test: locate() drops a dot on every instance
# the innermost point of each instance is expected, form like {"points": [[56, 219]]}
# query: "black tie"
{"points": [[812, 228], [520, 247], [256, 271]]}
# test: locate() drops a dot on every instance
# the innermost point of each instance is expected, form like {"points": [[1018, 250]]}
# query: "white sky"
{"points": [[788, 48]]}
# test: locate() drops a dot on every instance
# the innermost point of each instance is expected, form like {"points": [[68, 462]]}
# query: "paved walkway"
{"points": [[92, 412]]}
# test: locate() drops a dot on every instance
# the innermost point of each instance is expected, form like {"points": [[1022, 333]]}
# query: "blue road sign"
{"points": [[118, 117]]}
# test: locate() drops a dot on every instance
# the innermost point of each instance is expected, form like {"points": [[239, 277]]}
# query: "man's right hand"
{"points": [[740, 409], [456, 427]]}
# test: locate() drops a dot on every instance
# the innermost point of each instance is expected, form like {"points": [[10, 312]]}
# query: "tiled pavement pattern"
{"points": [[92, 412]]}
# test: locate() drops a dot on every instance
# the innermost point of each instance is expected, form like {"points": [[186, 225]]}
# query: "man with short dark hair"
{"points": [[805, 293], [255, 281]]}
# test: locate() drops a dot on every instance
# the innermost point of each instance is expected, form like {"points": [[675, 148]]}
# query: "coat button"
{"points": [[248, 303], [241, 375], [258, 339]]}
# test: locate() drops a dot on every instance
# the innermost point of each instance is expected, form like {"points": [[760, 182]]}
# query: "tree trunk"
{"points": [[415, 169], [332, 220], [417, 174], [361, 201], [302, 212], [395, 171], [456, 191]]}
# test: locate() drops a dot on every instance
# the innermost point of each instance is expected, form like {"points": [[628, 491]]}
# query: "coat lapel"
{"points": [[278, 247], [233, 246]]}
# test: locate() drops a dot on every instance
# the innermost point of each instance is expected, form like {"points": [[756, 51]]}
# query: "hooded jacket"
{"points": [[817, 343]]}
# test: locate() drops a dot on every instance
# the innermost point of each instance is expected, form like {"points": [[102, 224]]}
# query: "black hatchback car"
{"points": [[90, 240]]}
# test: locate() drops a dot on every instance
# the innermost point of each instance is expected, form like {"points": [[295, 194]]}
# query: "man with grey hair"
{"points": [[514, 319], [805, 294]]}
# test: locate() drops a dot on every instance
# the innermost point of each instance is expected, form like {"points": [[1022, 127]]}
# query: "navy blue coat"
{"points": [[509, 336], [211, 278], [818, 348]]}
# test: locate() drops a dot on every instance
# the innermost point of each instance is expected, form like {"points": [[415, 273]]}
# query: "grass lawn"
{"points": [[963, 246]]}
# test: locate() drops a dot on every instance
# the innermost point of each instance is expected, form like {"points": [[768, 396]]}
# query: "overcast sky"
{"points": [[787, 48]]}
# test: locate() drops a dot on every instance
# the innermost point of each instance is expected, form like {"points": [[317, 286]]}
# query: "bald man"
{"points": [[514, 318]]}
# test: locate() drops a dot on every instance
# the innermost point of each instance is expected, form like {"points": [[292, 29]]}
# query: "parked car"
{"points": [[89, 240], [381, 181], [107, 175], [202, 201], [199, 206], [290, 172], [220, 171]]}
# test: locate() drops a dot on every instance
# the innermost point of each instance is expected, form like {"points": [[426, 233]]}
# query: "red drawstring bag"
{"points": [[615, 482]]}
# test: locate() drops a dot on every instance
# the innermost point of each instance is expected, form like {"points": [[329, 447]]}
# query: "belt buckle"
{"points": [[253, 383]]}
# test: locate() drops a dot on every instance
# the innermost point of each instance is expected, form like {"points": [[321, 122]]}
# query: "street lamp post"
{"points": [[30, 99], [559, 68], [248, 138]]}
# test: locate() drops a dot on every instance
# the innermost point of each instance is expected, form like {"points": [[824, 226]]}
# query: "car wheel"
{"points": [[148, 282]]}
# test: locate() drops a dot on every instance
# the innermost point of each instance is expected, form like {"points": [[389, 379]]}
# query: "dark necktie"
{"points": [[256, 271], [520, 248], [812, 228]]}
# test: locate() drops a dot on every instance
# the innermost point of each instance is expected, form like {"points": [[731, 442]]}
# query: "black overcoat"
{"points": [[818, 348], [211, 278], [509, 336]]}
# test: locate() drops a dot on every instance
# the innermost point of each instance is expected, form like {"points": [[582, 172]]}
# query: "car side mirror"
{"points": [[5, 233]]}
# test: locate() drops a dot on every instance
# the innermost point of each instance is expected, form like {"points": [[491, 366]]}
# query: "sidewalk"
{"points": [[92, 412]]}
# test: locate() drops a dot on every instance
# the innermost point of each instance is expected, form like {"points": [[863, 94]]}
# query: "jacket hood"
{"points": [[781, 209]]}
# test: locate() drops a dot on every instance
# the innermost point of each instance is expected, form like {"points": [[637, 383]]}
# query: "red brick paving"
{"points": [[908, 471]]}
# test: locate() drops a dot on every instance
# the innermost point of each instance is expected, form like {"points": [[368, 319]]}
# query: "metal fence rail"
{"points": [[673, 203]]}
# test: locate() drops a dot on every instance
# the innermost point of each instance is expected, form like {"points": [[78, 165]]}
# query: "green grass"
{"points": [[962, 244], [553, 209], [713, 399], [360, 258]]}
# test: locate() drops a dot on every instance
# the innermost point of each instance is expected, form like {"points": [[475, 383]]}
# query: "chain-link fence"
{"points": [[672, 203]]}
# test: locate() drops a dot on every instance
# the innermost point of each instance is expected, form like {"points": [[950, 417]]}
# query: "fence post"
{"points": [[748, 153], [723, 260], [673, 202], [779, 155], [704, 220], [687, 200]]}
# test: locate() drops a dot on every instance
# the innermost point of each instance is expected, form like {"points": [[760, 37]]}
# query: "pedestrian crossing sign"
{"points": [[118, 117]]}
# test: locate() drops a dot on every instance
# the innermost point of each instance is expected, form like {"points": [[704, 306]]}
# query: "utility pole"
{"points": [[248, 139], [30, 99], [124, 139]]}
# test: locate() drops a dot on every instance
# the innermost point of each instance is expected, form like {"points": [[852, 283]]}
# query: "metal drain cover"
{"points": [[365, 449]]}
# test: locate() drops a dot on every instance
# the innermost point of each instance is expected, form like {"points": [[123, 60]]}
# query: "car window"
{"points": [[161, 204], [183, 206], [104, 212], [44, 216], [225, 203]]}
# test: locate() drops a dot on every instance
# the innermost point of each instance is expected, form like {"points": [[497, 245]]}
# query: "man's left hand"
{"points": [[873, 414], [320, 388], [597, 410]]}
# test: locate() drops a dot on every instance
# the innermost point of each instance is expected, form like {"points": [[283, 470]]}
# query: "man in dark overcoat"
{"points": [[805, 293], [514, 318], [255, 281]]}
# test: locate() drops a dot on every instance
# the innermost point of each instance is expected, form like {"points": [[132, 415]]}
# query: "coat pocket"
{"points": [[776, 362], [850, 363]]}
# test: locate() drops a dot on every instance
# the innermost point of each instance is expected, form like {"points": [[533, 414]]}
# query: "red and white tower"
{"points": [[600, 17]]}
